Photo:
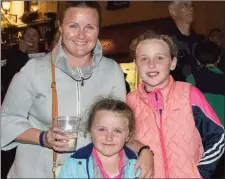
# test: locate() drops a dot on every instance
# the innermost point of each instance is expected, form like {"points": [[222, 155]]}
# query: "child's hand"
{"points": [[145, 163]]}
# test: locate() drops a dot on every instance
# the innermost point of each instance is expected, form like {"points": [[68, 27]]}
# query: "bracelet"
{"points": [[145, 147], [41, 139]]}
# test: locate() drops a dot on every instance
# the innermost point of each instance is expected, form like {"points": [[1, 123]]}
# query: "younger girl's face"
{"points": [[109, 132], [154, 62]]}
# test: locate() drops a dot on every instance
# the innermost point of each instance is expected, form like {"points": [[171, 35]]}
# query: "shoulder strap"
{"points": [[54, 110]]}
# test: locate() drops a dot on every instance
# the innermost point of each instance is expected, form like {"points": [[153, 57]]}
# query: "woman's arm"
{"points": [[53, 138], [30, 136], [15, 126], [19, 98]]}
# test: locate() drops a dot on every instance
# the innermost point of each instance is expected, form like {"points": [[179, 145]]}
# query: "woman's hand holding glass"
{"points": [[56, 139]]}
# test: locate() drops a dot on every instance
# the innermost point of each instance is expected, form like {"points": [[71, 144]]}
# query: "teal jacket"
{"points": [[82, 165]]}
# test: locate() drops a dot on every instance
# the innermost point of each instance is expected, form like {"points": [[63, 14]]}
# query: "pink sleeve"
{"points": [[198, 99]]}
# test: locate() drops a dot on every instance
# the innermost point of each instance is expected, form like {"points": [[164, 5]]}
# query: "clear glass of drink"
{"points": [[71, 125]]}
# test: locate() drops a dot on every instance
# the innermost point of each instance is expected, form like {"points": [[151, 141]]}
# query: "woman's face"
{"points": [[79, 29], [31, 37]]}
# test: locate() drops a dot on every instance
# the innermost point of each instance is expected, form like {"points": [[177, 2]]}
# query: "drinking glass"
{"points": [[70, 124]]}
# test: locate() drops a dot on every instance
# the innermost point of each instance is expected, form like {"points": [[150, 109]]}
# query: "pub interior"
{"points": [[122, 21]]}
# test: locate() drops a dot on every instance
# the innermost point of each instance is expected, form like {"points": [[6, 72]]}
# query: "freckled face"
{"points": [[154, 62], [109, 132]]}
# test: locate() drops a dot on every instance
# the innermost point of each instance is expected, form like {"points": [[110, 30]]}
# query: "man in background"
{"points": [[215, 35], [185, 38]]}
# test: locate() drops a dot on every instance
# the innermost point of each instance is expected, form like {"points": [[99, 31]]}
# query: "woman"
{"points": [[18, 56], [82, 74]]}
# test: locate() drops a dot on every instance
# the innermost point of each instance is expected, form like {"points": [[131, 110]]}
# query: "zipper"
{"points": [[79, 92], [87, 168], [162, 143], [78, 99]]}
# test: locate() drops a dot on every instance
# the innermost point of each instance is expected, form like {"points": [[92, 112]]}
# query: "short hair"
{"points": [[207, 52], [33, 27], [115, 106], [149, 35], [212, 31]]}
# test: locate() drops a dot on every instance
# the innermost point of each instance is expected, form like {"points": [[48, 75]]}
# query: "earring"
{"points": [[62, 43]]}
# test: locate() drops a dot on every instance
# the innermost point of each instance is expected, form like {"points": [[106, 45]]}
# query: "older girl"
{"points": [[173, 117]]}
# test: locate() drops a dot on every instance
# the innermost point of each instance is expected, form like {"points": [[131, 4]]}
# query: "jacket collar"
{"points": [[162, 93], [78, 73], [85, 152]]}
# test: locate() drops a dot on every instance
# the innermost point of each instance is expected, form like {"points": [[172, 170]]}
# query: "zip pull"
{"points": [[160, 112], [82, 81], [159, 102]]}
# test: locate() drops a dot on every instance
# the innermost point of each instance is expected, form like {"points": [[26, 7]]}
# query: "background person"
{"points": [[184, 36], [17, 57], [210, 79], [215, 35]]}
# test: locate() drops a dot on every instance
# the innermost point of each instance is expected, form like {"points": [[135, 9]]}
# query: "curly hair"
{"points": [[149, 35]]}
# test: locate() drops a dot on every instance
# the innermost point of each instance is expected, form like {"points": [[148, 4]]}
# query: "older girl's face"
{"points": [[154, 62], [80, 29]]}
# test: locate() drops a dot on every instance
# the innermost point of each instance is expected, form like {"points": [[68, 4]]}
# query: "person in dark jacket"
{"points": [[184, 37], [215, 35], [210, 79], [18, 56]]}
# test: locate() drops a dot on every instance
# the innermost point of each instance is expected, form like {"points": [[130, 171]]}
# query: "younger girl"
{"points": [[173, 117], [111, 124]]}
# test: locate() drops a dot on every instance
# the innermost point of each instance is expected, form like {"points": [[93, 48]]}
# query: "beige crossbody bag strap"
{"points": [[54, 112]]}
